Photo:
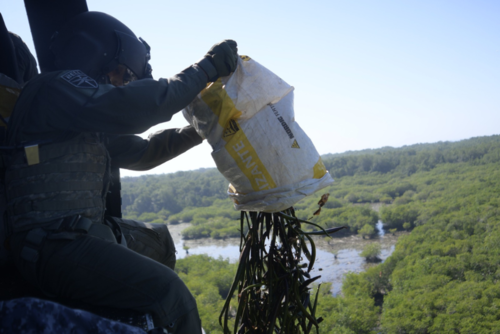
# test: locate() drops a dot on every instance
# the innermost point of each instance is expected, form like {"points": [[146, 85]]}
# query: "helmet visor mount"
{"points": [[147, 69], [134, 54]]}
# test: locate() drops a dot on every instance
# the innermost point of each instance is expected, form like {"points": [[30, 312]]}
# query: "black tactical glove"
{"points": [[220, 60]]}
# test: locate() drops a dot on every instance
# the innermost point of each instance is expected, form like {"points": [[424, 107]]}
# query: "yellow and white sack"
{"points": [[249, 121]]}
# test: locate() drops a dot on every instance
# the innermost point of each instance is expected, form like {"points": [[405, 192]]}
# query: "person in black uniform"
{"points": [[67, 126]]}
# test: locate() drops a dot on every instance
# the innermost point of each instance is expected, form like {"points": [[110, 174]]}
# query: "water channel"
{"points": [[335, 256]]}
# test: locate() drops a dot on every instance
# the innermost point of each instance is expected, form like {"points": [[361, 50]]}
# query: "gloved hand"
{"points": [[220, 60]]}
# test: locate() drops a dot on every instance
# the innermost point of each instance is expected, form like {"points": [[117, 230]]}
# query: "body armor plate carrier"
{"points": [[69, 178]]}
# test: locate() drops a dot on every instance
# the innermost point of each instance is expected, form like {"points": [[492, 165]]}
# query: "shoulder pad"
{"points": [[79, 79]]}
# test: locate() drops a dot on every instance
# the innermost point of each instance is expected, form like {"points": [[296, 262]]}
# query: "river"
{"points": [[335, 256]]}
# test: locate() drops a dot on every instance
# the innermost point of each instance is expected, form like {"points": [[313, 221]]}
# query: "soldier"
{"points": [[66, 127]]}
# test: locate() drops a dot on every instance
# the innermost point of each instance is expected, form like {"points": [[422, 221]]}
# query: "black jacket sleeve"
{"points": [[135, 153], [131, 109]]}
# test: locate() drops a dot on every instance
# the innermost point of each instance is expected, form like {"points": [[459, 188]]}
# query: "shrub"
{"points": [[371, 252], [147, 217], [366, 230]]}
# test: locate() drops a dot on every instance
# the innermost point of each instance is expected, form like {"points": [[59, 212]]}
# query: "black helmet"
{"points": [[96, 43]]}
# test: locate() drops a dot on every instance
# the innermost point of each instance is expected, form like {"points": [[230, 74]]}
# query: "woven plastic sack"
{"points": [[249, 121]]}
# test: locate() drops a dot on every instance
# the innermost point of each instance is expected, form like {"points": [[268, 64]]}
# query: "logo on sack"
{"points": [[79, 79], [231, 129], [251, 165], [282, 121], [295, 144]]}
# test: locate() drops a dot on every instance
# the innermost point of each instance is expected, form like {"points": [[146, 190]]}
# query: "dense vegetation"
{"points": [[185, 197], [200, 197], [442, 278], [210, 280], [153, 197]]}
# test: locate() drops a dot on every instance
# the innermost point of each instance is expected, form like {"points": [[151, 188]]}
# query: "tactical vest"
{"points": [[56, 178], [60, 179]]}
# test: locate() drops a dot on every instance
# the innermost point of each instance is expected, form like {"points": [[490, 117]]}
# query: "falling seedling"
{"points": [[272, 282], [322, 201]]}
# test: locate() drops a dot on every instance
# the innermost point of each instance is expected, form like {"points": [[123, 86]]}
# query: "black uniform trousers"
{"points": [[105, 273]]}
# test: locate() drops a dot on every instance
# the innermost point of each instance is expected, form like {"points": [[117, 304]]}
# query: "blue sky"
{"points": [[366, 74]]}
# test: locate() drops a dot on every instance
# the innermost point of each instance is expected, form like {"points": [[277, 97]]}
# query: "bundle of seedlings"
{"points": [[273, 279]]}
